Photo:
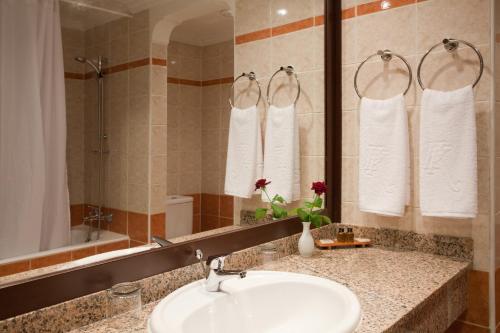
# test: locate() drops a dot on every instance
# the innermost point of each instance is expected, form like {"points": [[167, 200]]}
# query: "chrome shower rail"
{"points": [[386, 56], [451, 45]]}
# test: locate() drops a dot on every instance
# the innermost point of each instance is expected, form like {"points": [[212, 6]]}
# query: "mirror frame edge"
{"points": [[36, 293]]}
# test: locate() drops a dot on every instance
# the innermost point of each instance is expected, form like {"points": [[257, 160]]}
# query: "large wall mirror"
{"points": [[127, 144]]}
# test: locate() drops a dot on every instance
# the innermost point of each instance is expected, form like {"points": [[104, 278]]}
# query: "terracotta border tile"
{"points": [[190, 82], [119, 223], [75, 76], [172, 80], [477, 302], [120, 245], [226, 206], [158, 225], [210, 82], [76, 214], [139, 63], [461, 327], [50, 260], [138, 226], [116, 69], [14, 267], [348, 13], [497, 38], [159, 62], [209, 222], [291, 27], [82, 253], [376, 6], [319, 20], [196, 223], [228, 79], [134, 243], [253, 36], [210, 204]]}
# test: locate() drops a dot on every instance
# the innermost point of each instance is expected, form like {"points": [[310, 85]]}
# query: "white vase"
{"points": [[306, 241]]}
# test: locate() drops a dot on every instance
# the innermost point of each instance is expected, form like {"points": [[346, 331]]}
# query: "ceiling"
{"points": [[208, 29], [85, 14]]}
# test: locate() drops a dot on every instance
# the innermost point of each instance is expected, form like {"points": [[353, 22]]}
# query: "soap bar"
{"points": [[325, 241]]}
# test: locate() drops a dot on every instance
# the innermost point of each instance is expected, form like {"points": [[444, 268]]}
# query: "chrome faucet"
{"points": [[96, 214], [216, 273]]}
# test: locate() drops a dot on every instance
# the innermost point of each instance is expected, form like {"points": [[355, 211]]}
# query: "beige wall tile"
{"points": [[350, 133], [139, 80], [159, 81], [158, 140], [296, 10], [118, 51], [138, 169], [386, 30], [159, 110], [137, 198], [138, 114], [254, 56], [159, 170], [139, 45], [251, 15], [464, 19], [294, 49]]}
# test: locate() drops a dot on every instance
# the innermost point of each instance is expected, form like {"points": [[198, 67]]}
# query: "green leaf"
{"points": [[304, 216], [318, 202], [278, 211], [308, 204], [260, 213], [317, 220], [326, 219], [293, 212], [278, 198]]}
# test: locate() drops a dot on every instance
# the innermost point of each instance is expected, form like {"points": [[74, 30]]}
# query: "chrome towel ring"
{"points": [[451, 45], [251, 76], [386, 56], [290, 71]]}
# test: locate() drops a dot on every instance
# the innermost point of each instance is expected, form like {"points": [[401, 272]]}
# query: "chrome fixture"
{"points": [[216, 273], [96, 214], [386, 56], [97, 66], [451, 45], [252, 78], [289, 70], [161, 241]]}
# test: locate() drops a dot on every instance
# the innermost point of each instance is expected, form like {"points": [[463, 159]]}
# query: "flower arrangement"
{"points": [[277, 203], [310, 212]]}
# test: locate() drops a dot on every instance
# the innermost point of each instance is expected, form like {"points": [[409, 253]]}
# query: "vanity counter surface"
{"points": [[397, 290]]}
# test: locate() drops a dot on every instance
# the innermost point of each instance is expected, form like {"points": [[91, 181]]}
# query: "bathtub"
{"points": [[79, 235]]}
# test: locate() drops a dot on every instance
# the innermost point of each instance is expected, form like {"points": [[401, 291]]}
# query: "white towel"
{"points": [[384, 156], [244, 152], [448, 154], [281, 153]]}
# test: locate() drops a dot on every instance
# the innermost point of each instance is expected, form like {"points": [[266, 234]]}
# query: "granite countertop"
{"points": [[394, 288]]}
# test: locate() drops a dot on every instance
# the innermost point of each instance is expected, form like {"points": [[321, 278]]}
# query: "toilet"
{"points": [[179, 216]]}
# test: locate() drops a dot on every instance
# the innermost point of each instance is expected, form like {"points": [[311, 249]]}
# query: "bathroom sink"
{"points": [[263, 302]]}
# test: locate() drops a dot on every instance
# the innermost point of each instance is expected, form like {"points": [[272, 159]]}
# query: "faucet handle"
{"points": [[216, 261]]}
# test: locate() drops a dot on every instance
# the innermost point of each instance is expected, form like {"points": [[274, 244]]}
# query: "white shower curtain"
{"points": [[34, 200]]}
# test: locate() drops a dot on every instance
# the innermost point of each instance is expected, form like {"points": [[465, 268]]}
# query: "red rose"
{"points": [[261, 183], [318, 187]]}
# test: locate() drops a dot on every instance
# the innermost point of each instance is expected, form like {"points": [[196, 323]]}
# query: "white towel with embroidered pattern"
{"points": [[244, 152], [448, 154], [384, 156], [281, 153]]}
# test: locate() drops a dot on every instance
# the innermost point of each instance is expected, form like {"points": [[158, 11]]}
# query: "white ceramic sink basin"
{"points": [[263, 302]]}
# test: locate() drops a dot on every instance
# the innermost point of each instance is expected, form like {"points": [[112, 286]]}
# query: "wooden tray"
{"points": [[357, 243]]}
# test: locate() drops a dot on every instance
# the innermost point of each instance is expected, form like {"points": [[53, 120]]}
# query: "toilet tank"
{"points": [[179, 216]]}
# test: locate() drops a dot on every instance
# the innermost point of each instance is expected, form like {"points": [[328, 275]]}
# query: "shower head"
{"points": [[97, 68]]}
